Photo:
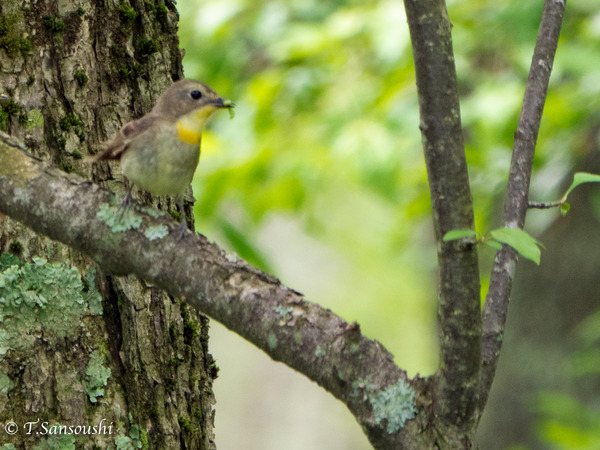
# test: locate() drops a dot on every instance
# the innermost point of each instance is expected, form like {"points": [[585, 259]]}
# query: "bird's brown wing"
{"points": [[114, 149]]}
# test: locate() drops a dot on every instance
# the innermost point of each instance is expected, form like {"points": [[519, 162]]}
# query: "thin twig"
{"points": [[545, 205], [516, 204]]}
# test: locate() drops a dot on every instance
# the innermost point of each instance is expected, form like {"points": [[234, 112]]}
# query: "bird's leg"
{"points": [[183, 225], [127, 202]]}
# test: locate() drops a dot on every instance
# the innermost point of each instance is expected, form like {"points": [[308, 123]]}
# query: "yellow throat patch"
{"points": [[189, 135], [190, 126]]}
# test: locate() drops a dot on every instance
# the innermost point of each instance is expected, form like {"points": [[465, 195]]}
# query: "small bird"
{"points": [[160, 151]]}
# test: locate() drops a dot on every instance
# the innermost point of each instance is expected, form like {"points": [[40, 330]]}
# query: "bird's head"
{"points": [[187, 96]]}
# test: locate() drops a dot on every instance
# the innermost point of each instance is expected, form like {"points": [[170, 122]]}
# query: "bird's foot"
{"points": [[181, 229]]}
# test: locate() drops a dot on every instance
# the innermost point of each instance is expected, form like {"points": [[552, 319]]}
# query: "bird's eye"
{"points": [[196, 95]]}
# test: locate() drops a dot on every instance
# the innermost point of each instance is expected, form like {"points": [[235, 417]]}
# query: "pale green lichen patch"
{"points": [[285, 313], [57, 438], [36, 119], [6, 384], [298, 337], [42, 298], [22, 195], [272, 341], [352, 348], [361, 387], [156, 232], [93, 296], [232, 257], [118, 220], [96, 376], [138, 438], [320, 352], [152, 212], [395, 404]]}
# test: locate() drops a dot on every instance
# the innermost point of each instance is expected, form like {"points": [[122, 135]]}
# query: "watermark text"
{"points": [[38, 427]]}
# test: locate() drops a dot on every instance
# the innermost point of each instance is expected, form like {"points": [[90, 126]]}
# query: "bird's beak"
{"points": [[221, 103]]}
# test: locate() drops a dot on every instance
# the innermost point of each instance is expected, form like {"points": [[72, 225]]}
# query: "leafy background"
{"points": [[319, 179]]}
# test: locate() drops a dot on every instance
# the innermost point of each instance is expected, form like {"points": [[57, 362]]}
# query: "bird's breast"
{"points": [[160, 161]]}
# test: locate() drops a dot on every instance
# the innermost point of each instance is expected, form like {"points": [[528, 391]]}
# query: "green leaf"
{"points": [[457, 234], [494, 244], [564, 208], [580, 178], [521, 241]]}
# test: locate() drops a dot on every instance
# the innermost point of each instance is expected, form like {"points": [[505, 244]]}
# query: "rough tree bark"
{"points": [[72, 72], [459, 318]]}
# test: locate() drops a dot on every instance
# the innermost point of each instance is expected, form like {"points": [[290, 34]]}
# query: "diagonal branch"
{"points": [[516, 204], [358, 371], [459, 302]]}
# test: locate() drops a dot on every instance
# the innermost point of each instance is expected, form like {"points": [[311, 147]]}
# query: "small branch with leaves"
{"points": [[578, 179], [517, 193], [521, 241]]}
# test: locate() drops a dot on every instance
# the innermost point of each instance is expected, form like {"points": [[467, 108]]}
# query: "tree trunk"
{"points": [[78, 348]]}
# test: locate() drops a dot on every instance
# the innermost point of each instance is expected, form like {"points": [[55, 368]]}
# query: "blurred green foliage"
{"points": [[326, 137], [565, 421]]}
